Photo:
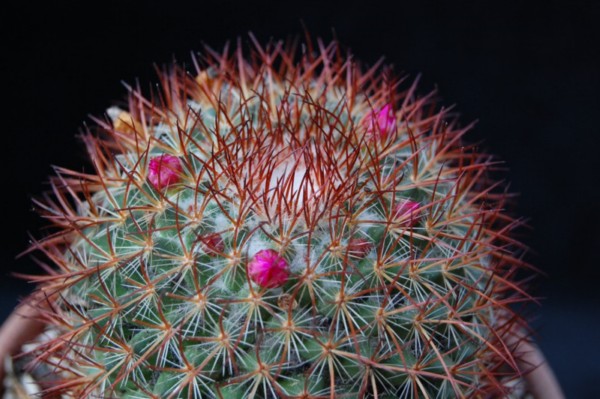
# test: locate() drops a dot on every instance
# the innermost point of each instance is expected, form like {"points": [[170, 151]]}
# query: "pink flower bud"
{"points": [[268, 269], [164, 170], [359, 247], [380, 124], [407, 212], [212, 244]]}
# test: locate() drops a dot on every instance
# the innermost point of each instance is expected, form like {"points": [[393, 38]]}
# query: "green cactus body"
{"points": [[397, 265]]}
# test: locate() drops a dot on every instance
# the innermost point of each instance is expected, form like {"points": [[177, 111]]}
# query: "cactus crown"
{"points": [[280, 224]]}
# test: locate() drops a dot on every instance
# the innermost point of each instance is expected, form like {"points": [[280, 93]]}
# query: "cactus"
{"points": [[280, 223]]}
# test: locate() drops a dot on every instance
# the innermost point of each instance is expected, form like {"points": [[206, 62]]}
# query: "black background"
{"points": [[527, 70]]}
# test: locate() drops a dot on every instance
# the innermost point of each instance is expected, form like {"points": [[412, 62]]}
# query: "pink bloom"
{"points": [[380, 124], [164, 170], [407, 212], [359, 247], [268, 269]]}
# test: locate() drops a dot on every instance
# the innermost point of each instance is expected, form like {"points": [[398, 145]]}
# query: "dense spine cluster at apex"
{"points": [[280, 222]]}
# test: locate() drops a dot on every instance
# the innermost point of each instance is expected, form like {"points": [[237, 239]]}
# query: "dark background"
{"points": [[527, 70]]}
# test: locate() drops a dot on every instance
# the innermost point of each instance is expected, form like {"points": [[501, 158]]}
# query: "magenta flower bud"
{"points": [[380, 124], [268, 269], [164, 170], [212, 244], [407, 212], [359, 247]]}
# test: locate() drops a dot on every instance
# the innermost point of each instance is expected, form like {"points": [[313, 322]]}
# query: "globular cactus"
{"points": [[280, 224]]}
